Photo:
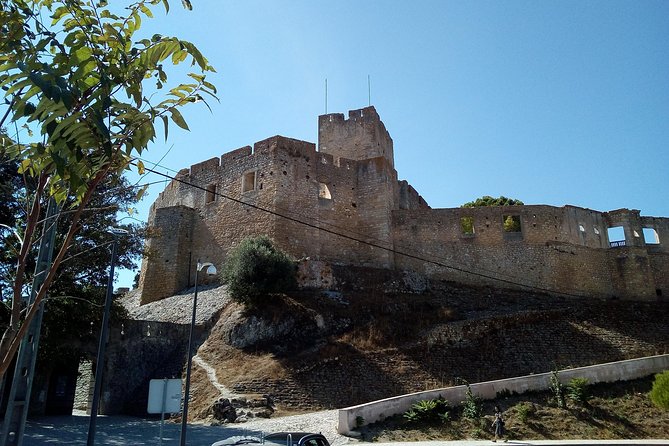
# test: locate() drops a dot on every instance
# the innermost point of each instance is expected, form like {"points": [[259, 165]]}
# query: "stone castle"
{"points": [[343, 204]]}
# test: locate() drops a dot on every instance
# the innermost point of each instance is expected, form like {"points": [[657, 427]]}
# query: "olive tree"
{"points": [[79, 89]]}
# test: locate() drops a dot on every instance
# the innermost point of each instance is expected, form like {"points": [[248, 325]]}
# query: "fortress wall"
{"points": [[659, 263], [544, 254], [295, 183], [409, 198], [249, 177], [163, 269], [631, 272], [378, 197], [361, 136], [660, 226]]}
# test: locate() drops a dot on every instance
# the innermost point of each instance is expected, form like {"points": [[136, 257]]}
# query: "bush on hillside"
{"points": [[659, 394], [255, 269], [428, 411], [577, 390]]}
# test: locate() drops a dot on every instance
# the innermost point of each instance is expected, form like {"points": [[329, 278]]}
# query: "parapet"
{"points": [[362, 136]]}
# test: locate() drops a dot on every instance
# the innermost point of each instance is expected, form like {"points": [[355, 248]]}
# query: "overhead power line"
{"points": [[319, 227]]}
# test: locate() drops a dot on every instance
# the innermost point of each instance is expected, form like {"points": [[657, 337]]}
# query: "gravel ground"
{"points": [[210, 300]]}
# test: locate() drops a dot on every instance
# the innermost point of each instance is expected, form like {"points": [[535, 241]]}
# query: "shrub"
{"points": [[256, 268], [471, 406], [558, 390], [429, 410], [577, 390], [659, 394], [525, 410]]}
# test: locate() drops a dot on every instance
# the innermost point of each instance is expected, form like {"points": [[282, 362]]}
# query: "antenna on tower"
{"points": [[326, 95], [369, 91]]}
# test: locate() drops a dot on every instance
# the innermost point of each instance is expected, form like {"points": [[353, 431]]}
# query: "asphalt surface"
{"points": [[122, 430]]}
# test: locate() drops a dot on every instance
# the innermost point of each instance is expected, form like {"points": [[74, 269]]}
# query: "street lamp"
{"points": [[99, 366], [211, 270]]}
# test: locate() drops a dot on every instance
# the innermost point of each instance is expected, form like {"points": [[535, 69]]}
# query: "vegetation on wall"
{"points": [[487, 200], [256, 268]]}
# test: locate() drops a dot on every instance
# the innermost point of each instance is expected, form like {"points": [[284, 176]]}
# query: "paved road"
{"points": [[121, 430]]}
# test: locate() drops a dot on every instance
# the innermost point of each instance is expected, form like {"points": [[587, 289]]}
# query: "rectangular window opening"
{"points": [[511, 223], [210, 194], [658, 292], [616, 236], [650, 236], [249, 181], [467, 225]]}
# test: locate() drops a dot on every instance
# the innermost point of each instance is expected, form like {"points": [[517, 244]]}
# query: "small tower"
{"points": [[361, 136]]}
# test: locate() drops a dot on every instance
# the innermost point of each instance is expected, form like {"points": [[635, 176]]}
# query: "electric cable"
{"points": [[359, 240]]}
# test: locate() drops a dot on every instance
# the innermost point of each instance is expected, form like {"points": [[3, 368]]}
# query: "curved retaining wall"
{"points": [[610, 372]]}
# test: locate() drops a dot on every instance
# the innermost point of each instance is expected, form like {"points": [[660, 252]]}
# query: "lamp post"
{"points": [[211, 270], [99, 366]]}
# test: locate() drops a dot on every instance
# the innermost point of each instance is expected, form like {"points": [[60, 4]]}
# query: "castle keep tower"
{"points": [[350, 188], [361, 137]]}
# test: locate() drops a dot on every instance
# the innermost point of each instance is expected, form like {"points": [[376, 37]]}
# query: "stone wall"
{"points": [[138, 352], [344, 204], [564, 250]]}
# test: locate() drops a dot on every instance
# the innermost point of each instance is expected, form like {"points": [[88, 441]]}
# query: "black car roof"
{"points": [[295, 435]]}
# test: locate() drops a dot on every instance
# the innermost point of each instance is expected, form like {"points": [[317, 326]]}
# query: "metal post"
{"points": [[19, 398], [99, 366], [184, 415]]}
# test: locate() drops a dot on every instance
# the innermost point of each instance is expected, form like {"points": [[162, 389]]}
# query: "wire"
{"points": [[365, 242], [321, 223]]}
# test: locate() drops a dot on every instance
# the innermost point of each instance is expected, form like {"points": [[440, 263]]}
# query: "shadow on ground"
{"points": [[120, 430]]}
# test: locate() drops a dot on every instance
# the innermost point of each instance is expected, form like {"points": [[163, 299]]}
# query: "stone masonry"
{"points": [[357, 212]]}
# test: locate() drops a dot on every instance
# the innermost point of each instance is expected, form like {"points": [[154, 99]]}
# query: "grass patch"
{"points": [[614, 411]]}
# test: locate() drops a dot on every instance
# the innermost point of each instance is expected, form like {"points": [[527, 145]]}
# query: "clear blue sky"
{"points": [[550, 102]]}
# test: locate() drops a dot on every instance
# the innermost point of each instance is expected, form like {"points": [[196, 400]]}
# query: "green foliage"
{"points": [[472, 405], [256, 268], [73, 77], [83, 88], [659, 394], [467, 225], [557, 389], [487, 200], [359, 421], [577, 390], [74, 309], [511, 223], [525, 410], [429, 410]]}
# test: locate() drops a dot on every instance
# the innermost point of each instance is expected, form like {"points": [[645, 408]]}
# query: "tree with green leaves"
{"points": [[77, 110], [487, 200], [256, 268]]}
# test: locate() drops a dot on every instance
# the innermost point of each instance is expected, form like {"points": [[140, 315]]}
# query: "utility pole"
{"points": [[102, 346], [14, 424]]}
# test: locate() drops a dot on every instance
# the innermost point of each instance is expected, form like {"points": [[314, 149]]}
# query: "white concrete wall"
{"points": [[610, 372]]}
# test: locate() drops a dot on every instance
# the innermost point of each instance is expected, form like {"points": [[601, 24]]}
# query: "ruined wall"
{"points": [[560, 249], [344, 204]]}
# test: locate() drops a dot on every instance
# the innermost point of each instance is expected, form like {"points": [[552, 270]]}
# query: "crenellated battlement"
{"points": [[350, 185], [362, 136]]}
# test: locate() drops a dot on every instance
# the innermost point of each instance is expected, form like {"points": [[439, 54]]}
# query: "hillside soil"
{"points": [[322, 350], [616, 411]]}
